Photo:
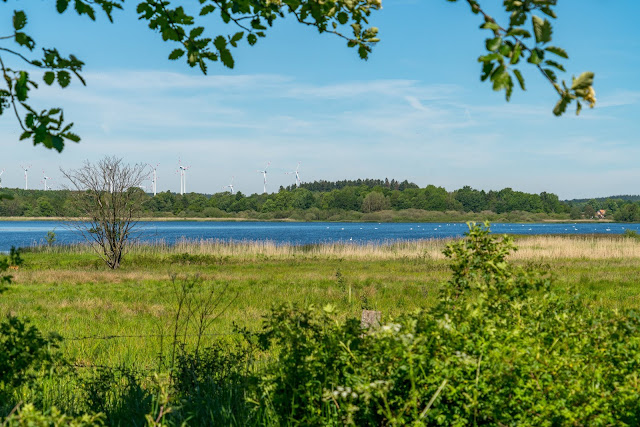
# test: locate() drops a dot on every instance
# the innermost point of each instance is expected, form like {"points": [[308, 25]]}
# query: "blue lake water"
{"points": [[27, 233]]}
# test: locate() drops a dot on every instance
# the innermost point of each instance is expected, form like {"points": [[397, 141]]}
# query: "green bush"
{"points": [[632, 234], [211, 385], [23, 348], [500, 348], [29, 416]]}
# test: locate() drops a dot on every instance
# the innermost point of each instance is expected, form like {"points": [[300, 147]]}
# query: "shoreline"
{"points": [[198, 219]]}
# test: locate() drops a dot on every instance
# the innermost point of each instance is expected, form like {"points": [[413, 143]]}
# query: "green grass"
{"points": [[70, 292], [75, 297], [124, 318]]}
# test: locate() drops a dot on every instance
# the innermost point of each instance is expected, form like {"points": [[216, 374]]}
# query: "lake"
{"points": [[27, 233]]}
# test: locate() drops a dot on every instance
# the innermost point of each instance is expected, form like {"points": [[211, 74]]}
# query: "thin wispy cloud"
{"points": [[231, 125]]}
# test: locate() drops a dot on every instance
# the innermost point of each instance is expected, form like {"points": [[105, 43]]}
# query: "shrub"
{"points": [[632, 234], [500, 348], [211, 385], [23, 349], [29, 416]]}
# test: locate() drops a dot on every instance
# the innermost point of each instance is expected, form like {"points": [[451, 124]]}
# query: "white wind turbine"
{"points": [[230, 186], [110, 179], [26, 175], [45, 178], [298, 181], [264, 176], [183, 177], [1, 172], [154, 180]]}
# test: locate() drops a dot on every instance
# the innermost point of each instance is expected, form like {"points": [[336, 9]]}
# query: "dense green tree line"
{"points": [[323, 185], [324, 199], [619, 208]]}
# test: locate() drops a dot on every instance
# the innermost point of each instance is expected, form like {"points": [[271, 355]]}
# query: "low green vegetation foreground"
{"points": [[268, 335]]}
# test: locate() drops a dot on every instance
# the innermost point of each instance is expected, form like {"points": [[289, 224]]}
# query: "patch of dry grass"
{"points": [[576, 247], [529, 248]]}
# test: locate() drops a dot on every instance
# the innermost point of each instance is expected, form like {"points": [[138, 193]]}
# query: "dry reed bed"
{"points": [[577, 247], [529, 248]]}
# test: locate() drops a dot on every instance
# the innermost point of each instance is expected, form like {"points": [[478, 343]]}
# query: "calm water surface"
{"points": [[26, 233]]}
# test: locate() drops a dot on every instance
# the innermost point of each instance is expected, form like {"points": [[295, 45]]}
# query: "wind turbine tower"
{"points": [[298, 181], [45, 178], [110, 177], [26, 175], [183, 178], [154, 181], [230, 186], [1, 172], [264, 177]]}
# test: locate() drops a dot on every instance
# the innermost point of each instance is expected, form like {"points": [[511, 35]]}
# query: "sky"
{"points": [[415, 110]]}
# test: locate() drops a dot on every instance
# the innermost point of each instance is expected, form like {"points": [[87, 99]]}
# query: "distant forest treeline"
{"points": [[367, 199]]}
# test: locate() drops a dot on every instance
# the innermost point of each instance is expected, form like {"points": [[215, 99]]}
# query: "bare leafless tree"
{"points": [[108, 196]]}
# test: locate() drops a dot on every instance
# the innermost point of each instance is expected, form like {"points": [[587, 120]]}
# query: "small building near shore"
{"points": [[601, 214]]}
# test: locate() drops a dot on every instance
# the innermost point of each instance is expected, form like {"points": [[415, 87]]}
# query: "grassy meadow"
{"points": [[125, 317]]}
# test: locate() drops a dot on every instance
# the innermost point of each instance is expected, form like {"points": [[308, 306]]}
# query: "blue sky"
{"points": [[416, 110]]}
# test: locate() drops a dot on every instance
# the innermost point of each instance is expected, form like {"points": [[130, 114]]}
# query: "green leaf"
{"points": [[72, 136], [26, 134], [548, 11], [19, 20], [175, 54], [142, 7], [236, 38], [515, 56], [252, 39], [554, 64], [227, 58], [583, 81], [490, 26], [21, 87], [549, 72], [534, 57], [558, 51], [49, 77], [488, 58], [505, 49], [207, 9], [541, 29], [196, 32], [493, 44], [363, 52], [515, 32], [57, 143], [561, 106], [220, 43], [63, 78], [500, 78], [487, 69], [61, 5], [24, 40], [343, 18], [518, 75]]}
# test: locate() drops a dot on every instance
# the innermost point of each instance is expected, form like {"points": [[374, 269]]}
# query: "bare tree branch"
{"points": [[108, 197]]}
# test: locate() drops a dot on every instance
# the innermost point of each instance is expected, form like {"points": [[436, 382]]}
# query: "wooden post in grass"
{"points": [[370, 318]]}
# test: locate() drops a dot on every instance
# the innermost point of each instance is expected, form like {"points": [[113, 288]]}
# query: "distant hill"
{"points": [[625, 197]]}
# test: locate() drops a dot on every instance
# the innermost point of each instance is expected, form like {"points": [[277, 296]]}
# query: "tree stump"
{"points": [[370, 318]]}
